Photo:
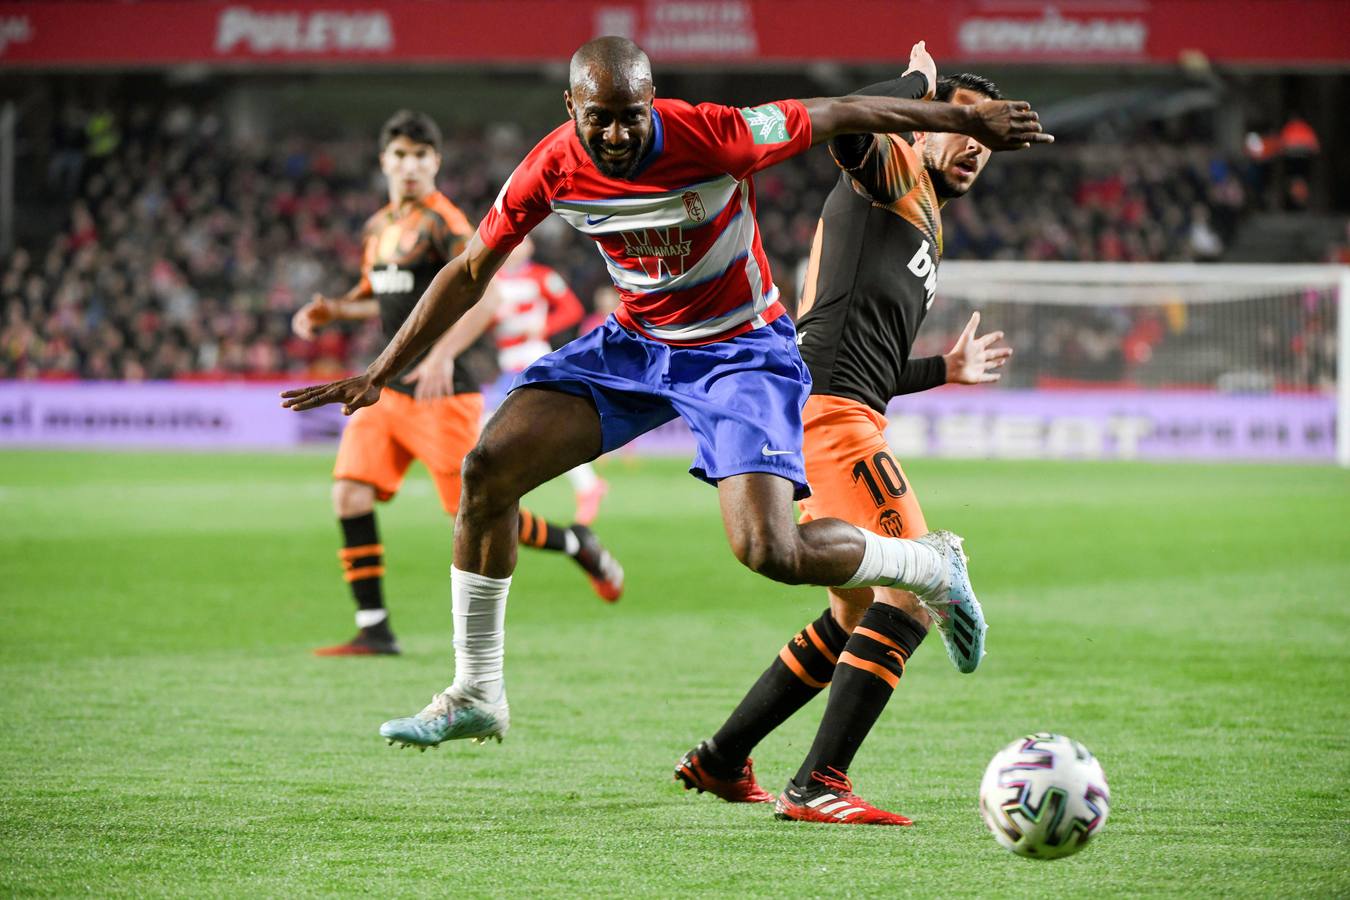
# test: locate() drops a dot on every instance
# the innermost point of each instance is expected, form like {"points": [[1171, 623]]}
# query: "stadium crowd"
{"points": [[185, 249]]}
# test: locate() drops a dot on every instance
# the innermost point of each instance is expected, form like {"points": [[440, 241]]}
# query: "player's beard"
{"points": [[607, 168], [942, 186]]}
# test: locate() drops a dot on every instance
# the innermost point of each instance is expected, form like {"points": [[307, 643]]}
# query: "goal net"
{"points": [[1142, 361]]}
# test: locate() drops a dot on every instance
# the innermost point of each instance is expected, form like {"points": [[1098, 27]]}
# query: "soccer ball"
{"points": [[1044, 796]]}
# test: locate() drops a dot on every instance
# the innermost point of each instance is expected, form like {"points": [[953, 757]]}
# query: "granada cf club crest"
{"points": [[890, 523], [693, 204]]}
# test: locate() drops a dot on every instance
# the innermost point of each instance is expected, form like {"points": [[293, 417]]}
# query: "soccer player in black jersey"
{"points": [[870, 281], [432, 412]]}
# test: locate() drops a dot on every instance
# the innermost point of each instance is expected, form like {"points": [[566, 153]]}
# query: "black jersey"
{"points": [[872, 274], [404, 249]]}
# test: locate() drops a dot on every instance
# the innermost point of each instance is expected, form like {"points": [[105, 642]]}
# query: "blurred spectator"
{"points": [[185, 251]]}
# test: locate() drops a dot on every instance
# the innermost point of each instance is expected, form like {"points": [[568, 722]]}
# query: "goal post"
{"points": [[1139, 360]]}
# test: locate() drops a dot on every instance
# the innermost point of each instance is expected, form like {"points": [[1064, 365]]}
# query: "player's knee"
{"points": [[769, 555], [352, 498], [487, 486]]}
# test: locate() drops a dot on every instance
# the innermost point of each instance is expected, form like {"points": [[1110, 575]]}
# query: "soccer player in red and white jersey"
{"points": [[534, 306], [665, 189]]}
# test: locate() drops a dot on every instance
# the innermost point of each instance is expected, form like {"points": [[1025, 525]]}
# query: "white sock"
{"points": [[368, 617], [583, 478], [897, 562], [479, 606]]}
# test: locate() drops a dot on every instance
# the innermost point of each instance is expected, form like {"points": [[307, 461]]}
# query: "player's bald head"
{"points": [[609, 98], [610, 63]]}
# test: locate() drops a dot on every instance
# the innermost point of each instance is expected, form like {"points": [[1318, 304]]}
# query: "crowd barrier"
{"points": [[950, 422]]}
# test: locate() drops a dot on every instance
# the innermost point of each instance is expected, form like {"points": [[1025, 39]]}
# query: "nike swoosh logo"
{"points": [[595, 221], [767, 452]]}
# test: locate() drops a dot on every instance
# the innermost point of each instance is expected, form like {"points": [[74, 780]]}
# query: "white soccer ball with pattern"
{"points": [[1044, 796]]}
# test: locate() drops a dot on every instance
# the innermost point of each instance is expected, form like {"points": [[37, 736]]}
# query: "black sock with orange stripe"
{"points": [[540, 533], [869, 670], [803, 668], [362, 557]]}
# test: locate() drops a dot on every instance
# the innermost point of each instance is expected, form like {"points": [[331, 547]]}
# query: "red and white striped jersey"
{"points": [[679, 238], [535, 304]]}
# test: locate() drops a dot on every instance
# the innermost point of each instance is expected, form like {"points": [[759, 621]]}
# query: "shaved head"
{"points": [[609, 61], [609, 99]]}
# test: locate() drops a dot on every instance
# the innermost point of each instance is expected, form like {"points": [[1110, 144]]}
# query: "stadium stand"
{"points": [[185, 249]]}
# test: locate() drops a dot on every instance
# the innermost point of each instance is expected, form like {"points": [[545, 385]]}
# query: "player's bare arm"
{"points": [[457, 287], [997, 124], [974, 359], [321, 310]]}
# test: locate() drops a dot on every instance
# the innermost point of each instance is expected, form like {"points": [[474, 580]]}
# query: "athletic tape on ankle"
{"points": [[869, 570]]}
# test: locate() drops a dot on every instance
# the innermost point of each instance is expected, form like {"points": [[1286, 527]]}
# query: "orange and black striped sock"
{"points": [[362, 557], [538, 532], [803, 667], [869, 670]]}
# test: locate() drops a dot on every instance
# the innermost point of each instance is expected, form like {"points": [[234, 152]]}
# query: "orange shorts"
{"points": [[382, 440], [853, 474]]}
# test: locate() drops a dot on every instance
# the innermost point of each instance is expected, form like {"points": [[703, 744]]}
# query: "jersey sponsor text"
{"points": [[658, 249], [391, 280]]}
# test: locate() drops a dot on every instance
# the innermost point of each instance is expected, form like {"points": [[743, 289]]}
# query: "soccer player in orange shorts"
{"points": [[870, 280], [432, 412]]}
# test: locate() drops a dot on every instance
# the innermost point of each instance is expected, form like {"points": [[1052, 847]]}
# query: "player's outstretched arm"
{"points": [[998, 124], [434, 376], [973, 359], [321, 311], [919, 82], [455, 289]]}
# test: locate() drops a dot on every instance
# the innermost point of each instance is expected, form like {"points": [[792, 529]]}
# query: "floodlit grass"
{"points": [[167, 731]]}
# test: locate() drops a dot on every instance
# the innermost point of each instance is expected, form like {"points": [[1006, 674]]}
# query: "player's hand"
{"points": [[920, 61], [434, 376], [353, 393], [972, 360], [312, 316], [1007, 125]]}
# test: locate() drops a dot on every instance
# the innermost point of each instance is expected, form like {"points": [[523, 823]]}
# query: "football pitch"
{"points": [[167, 732]]}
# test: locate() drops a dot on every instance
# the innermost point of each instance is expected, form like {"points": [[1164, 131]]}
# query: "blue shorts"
{"points": [[742, 397]]}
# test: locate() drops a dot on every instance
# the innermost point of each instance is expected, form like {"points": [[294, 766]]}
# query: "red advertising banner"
{"points": [[299, 32]]}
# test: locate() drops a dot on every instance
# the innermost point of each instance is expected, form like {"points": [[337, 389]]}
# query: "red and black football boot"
{"points": [[736, 786], [368, 642], [830, 798], [601, 567]]}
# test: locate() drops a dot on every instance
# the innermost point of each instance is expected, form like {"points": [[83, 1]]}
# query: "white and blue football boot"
{"points": [[955, 611], [451, 715]]}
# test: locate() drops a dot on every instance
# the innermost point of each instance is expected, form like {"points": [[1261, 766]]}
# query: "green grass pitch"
{"points": [[166, 731]]}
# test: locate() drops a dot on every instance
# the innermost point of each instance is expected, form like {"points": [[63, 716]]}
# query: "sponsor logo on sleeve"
{"points": [[768, 123]]}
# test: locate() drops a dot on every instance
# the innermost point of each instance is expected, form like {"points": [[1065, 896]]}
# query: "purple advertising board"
{"points": [[1113, 424], [951, 422], [154, 414]]}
